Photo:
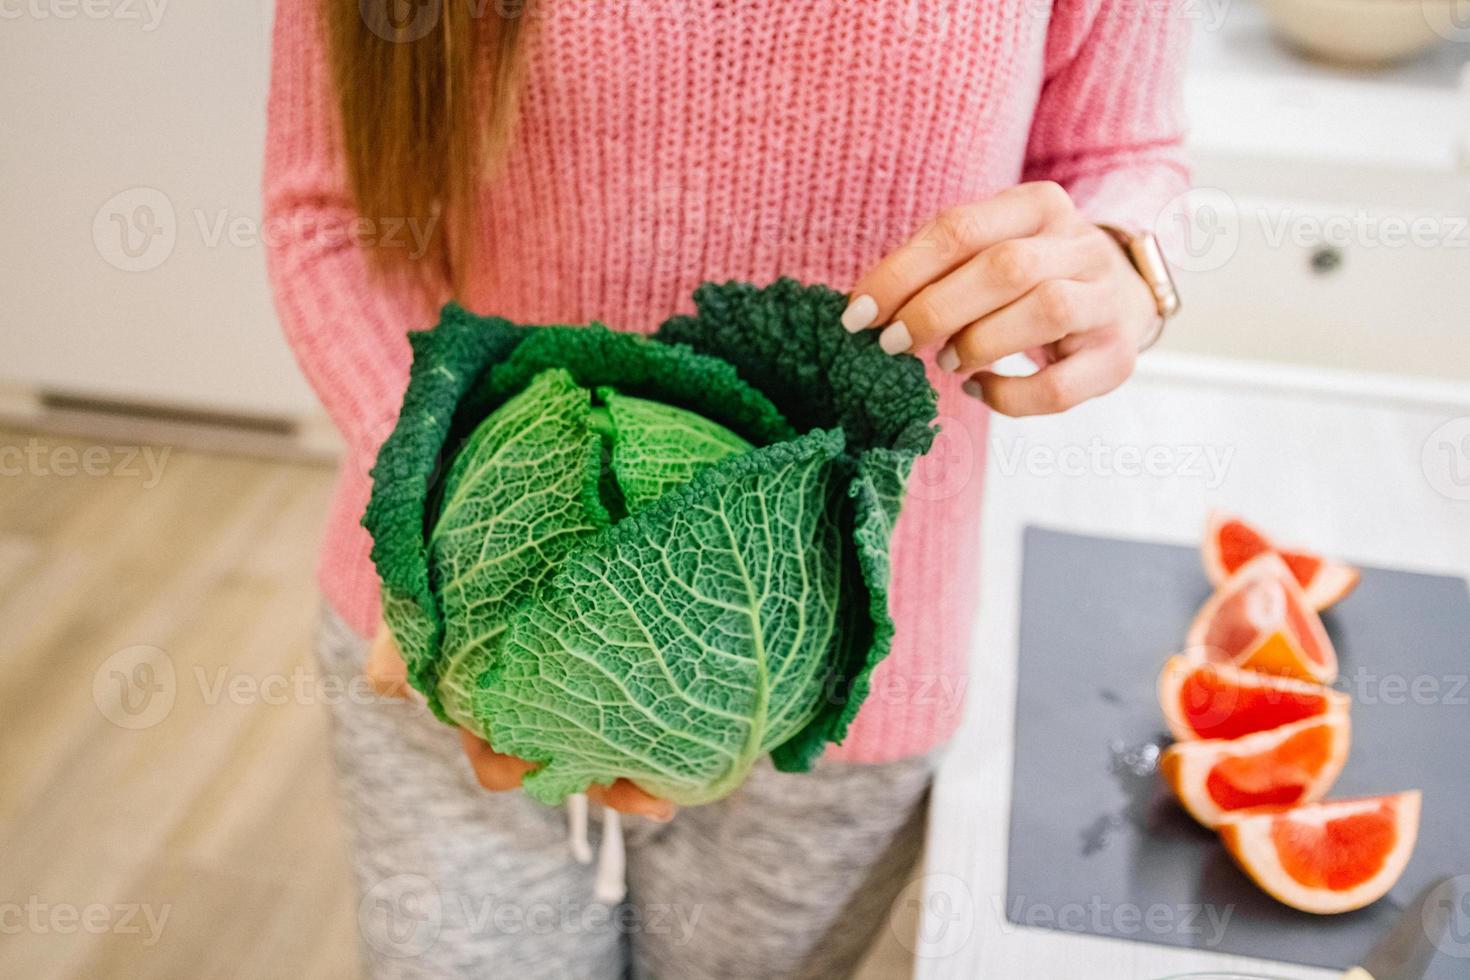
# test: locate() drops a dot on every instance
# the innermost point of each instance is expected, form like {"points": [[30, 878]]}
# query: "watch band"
{"points": [[1147, 259]]}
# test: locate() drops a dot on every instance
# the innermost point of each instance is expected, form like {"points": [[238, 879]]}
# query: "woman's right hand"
{"points": [[387, 674]]}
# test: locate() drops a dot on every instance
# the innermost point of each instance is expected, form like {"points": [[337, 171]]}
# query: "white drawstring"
{"points": [[610, 885], [577, 828]]}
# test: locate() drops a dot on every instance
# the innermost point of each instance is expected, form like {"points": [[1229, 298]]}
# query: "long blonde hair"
{"points": [[427, 103]]}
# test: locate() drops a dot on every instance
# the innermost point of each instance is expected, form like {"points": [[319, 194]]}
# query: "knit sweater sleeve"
{"points": [[1110, 123], [347, 327]]}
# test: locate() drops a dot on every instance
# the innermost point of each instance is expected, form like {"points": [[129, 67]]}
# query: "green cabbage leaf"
{"points": [[653, 558]]}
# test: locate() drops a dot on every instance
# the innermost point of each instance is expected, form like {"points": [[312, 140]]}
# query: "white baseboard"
{"points": [[309, 438]]}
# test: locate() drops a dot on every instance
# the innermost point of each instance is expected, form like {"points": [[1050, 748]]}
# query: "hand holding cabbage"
{"points": [[657, 559]]}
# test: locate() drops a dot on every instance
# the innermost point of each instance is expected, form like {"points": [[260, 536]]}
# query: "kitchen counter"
{"points": [[1303, 174], [1372, 469]]}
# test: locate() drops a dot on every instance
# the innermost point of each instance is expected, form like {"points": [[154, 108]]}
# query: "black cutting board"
{"points": [[1098, 846]]}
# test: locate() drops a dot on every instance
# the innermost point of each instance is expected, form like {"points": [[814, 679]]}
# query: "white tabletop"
{"points": [[1336, 462]]}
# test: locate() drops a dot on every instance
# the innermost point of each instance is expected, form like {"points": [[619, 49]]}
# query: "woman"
{"points": [[597, 160]]}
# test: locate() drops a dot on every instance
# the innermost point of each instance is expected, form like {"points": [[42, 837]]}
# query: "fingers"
{"points": [[993, 279], [385, 670], [1086, 373], [1046, 314], [493, 770], [498, 772], [625, 797], [948, 242]]}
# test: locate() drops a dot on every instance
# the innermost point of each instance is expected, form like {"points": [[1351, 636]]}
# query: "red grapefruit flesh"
{"points": [[1203, 699], [1286, 766], [1260, 620], [1230, 543], [1327, 857]]}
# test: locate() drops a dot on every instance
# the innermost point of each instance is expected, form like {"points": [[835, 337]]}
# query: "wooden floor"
{"points": [[166, 804]]}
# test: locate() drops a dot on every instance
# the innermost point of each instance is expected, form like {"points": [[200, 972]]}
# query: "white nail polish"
{"points": [[948, 359], [895, 338], [860, 313], [973, 388]]}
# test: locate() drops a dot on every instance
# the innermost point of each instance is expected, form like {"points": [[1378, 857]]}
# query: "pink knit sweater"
{"points": [[662, 144]]}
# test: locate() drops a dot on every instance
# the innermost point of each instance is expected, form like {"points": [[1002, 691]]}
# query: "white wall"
{"points": [[112, 107]]}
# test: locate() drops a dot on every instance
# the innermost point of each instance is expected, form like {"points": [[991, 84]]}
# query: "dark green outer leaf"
{"points": [[634, 365], [787, 340], [446, 362], [866, 632]]}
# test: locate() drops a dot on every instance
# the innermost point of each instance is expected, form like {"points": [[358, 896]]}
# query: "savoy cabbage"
{"points": [[658, 558]]}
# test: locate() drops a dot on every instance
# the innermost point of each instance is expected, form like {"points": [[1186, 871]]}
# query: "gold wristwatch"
{"points": [[1147, 258]]}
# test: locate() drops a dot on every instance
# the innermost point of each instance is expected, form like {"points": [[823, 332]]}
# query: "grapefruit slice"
{"points": [[1230, 542], [1286, 766], [1260, 620], [1202, 699], [1326, 857]]}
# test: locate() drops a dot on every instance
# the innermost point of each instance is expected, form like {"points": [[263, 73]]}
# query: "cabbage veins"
{"points": [[656, 559]]}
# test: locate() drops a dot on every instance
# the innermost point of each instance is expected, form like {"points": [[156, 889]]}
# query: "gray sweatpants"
{"points": [[790, 877]]}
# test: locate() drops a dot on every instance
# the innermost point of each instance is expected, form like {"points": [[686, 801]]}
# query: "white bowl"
{"points": [[1359, 32]]}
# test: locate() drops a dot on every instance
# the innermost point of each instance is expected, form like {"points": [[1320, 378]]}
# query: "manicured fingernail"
{"points": [[948, 359], [895, 338], [860, 313], [973, 388]]}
